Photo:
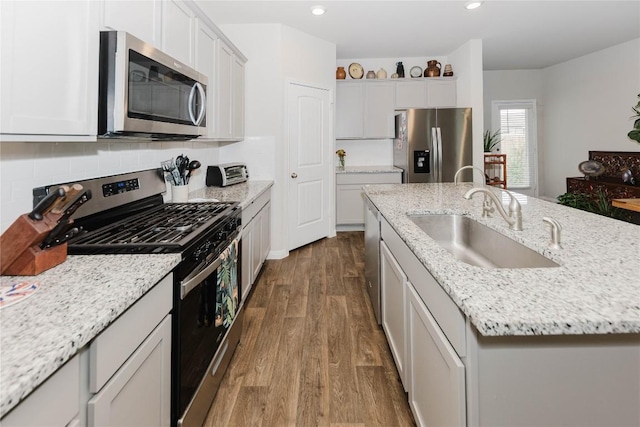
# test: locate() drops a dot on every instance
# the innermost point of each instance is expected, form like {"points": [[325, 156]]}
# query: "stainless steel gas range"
{"points": [[127, 215]]}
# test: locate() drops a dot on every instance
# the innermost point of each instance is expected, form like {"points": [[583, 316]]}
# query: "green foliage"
{"points": [[600, 205], [635, 133], [491, 141]]}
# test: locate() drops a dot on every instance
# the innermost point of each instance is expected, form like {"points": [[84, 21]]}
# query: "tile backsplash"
{"points": [[25, 165]]}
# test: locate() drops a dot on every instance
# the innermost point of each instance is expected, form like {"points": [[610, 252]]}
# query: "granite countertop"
{"points": [[244, 193], [77, 300], [369, 169], [596, 289]]}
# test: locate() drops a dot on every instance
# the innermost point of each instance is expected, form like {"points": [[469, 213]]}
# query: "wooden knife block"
{"points": [[20, 252]]}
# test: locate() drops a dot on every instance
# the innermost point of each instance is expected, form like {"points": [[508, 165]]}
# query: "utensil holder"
{"points": [[179, 193]]}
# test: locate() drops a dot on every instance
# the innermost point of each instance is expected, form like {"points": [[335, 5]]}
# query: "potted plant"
{"points": [[491, 141], [635, 133]]}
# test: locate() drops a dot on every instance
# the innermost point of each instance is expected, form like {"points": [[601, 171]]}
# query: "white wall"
{"points": [[467, 63], [275, 53], [24, 166], [588, 107]]}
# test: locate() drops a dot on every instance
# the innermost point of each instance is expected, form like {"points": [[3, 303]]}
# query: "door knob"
{"points": [[294, 175]]}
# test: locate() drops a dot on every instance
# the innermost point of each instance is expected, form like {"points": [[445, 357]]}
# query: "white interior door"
{"points": [[309, 189]]}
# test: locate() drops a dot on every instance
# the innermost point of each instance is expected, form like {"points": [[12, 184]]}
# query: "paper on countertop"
{"points": [[16, 292]]}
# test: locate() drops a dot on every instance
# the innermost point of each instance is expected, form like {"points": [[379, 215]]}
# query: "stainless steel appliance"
{"points": [[432, 144], [127, 215], [144, 92], [226, 174], [372, 256]]}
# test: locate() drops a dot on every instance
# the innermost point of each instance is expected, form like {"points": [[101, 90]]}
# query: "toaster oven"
{"points": [[226, 174]]}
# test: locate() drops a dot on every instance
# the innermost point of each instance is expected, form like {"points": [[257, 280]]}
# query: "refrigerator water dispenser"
{"points": [[421, 162]]}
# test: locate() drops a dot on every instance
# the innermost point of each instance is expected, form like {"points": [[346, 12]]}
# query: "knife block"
{"points": [[20, 246]]}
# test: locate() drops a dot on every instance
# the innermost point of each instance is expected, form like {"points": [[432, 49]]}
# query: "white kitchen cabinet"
{"points": [[141, 18], [432, 92], [393, 290], [237, 101], [130, 364], [436, 375], [56, 402], [206, 64], [349, 201], [139, 392], [364, 110], [49, 70], [441, 93], [230, 93], [178, 31], [256, 239], [411, 94]]}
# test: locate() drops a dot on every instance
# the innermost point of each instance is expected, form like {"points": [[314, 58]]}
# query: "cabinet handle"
{"points": [[294, 175]]}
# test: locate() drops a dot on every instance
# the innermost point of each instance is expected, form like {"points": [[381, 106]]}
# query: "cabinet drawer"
{"points": [[115, 344], [446, 313], [252, 209], [369, 178]]}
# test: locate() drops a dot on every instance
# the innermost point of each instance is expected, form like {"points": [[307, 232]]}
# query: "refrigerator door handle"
{"points": [[439, 133], [436, 153]]}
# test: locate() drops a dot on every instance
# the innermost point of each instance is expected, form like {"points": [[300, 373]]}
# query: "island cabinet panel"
{"points": [[393, 286], [582, 380], [436, 375]]}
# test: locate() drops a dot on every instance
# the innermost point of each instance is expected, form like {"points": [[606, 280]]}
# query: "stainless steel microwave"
{"points": [[145, 93]]}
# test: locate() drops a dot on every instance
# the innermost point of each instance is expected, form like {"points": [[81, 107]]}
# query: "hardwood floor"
{"points": [[311, 352]]}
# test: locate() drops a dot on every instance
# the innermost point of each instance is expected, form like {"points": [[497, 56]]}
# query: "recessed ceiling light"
{"points": [[470, 5], [318, 10]]}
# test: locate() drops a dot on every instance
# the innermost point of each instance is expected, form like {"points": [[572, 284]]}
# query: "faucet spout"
{"points": [[455, 177], [513, 218]]}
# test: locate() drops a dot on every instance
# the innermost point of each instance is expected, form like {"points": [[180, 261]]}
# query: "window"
{"points": [[517, 123]]}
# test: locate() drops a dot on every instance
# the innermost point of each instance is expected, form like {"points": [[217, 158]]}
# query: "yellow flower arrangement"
{"points": [[341, 153]]}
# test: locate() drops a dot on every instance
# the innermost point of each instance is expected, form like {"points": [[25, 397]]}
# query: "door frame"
{"points": [[329, 173]]}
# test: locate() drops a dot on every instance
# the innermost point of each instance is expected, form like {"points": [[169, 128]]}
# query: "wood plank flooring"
{"points": [[311, 353]]}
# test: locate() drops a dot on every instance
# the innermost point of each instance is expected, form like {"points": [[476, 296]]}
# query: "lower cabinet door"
{"points": [[437, 386], [393, 285], [139, 394]]}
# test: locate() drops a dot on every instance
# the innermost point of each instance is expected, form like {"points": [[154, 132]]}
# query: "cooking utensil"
{"points": [[170, 166], [37, 212], [193, 165]]}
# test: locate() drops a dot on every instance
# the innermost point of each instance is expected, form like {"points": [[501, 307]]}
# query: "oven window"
{"points": [[158, 93]]}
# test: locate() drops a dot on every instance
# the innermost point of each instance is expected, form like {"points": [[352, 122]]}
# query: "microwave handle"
{"points": [[199, 88]]}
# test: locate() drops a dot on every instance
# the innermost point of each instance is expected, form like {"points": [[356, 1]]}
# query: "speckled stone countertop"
{"points": [[596, 289], [75, 302], [244, 193], [369, 169]]}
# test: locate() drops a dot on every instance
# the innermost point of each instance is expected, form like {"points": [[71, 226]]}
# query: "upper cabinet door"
{"points": [[349, 110], [411, 94], [237, 71], [48, 77], [206, 64], [178, 22], [441, 93], [224, 90], [378, 110], [140, 18]]}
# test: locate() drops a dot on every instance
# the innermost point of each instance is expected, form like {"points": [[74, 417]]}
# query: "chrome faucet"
{"points": [[514, 218], [455, 177], [555, 232], [487, 209]]}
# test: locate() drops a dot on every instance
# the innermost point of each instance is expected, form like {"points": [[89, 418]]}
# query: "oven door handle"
{"points": [[188, 285]]}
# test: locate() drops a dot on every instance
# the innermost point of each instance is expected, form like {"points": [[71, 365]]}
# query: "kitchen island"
{"points": [[526, 346]]}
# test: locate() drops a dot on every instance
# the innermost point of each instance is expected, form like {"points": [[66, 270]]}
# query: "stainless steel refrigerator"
{"points": [[432, 144]]}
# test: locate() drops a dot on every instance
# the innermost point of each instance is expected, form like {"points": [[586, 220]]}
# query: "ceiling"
{"points": [[516, 34]]}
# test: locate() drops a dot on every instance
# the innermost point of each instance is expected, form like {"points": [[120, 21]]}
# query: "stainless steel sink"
{"points": [[476, 244]]}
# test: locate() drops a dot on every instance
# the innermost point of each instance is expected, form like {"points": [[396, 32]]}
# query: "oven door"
{"points": [[206, 311]]}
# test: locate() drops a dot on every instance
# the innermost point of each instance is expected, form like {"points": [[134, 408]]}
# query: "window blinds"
{"points": [[514, 132]]}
